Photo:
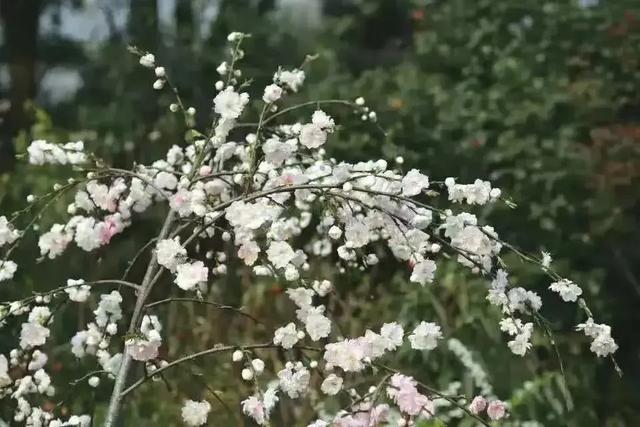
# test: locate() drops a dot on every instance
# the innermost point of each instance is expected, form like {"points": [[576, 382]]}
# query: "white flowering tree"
{"points": [[275, 201]]}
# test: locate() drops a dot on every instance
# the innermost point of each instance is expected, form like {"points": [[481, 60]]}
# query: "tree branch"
{"points": [[201, 301], [214, 350]]}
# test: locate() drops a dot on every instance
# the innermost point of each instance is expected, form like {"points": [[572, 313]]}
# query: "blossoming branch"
{"points": [[256, 194]]}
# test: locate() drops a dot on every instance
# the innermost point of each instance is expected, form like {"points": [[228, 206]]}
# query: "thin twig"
{"points": [[214, 350], [201, 301]]}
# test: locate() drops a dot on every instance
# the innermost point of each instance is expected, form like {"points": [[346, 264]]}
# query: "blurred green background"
{"points": [[542, 97]]}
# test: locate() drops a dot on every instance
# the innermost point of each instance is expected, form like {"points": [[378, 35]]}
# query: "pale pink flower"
{"points": [[254, 408], [496, 410], [478, 405]]}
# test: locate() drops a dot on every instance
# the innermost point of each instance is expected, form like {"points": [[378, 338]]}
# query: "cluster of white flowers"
{"points": [[95, 339], [88, 232], [521, 333], [148, 60], [55, 241], [568, 290], [414, 182], [8, 235], [77, 290], [602, 344], [512, 301], [478, 193], [272, 198], [316, 323], [294, 379], [35, 333], [30, 359], [42, 152], [353, 355], [292, 79]]}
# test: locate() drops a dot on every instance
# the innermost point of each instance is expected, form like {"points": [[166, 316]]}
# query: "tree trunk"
{"points": [[20, 22]]}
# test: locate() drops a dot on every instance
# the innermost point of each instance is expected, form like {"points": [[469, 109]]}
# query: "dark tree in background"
{"points": [[20, 32]]}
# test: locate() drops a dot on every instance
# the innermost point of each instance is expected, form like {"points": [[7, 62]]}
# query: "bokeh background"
{"points": [[540, 96]]}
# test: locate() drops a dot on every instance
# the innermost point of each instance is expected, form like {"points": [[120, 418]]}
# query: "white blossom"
{"points": [[195, 413], [323, 121], [569, 291], [294, 380], [7, 269], [317, 324], [55, 241], [5, 379], [393, 334], [425, 336], [109, 309], [292, 79], [33, 335], [312, 136], [280, 254], [414, 182], [331, 385], [286, 337], [8, 234], [229, 104], [254, 407], [170, 252], [423, 272], [77, 290], [248, 252], [148, 60], [40, 315], [189, 275], [602, 343], [272, 93]]}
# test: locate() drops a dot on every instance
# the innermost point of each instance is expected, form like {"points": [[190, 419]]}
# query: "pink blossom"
{"points": [[478, 405], [111, 226], [142, 349], [496, 410], [405, 394], [254, 408]]}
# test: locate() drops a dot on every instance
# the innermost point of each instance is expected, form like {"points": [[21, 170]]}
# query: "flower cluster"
{"points": [[273, 199], [145, 347], [568, 290], [496, 409], [404, 392], [43, 152], [602, 343]]}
